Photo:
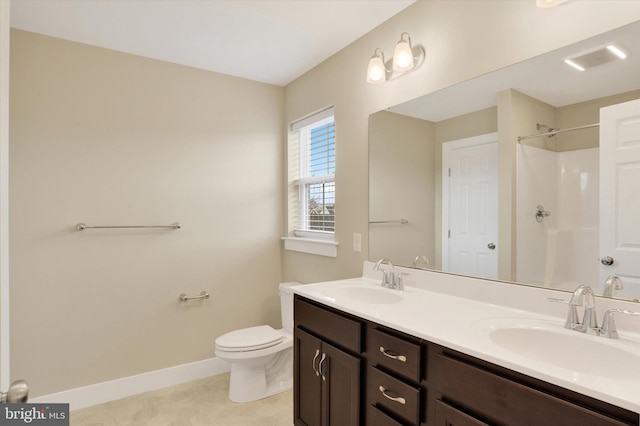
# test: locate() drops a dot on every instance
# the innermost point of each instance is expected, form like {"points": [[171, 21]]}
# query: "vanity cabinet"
{"points": [[395, 371], [473, 392], [327, 367], [375, 376]]}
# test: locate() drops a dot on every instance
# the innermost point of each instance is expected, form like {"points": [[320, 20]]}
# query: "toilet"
{"points": [[261, 357]]}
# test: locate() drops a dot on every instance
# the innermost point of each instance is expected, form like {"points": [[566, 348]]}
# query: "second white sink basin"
{"points": [[363, 294], [567, 349]]}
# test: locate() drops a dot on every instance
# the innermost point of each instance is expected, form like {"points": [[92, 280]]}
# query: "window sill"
{"points": [[311, 246]]}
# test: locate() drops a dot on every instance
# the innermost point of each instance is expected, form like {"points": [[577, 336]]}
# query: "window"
{"points": [[312, 185]]}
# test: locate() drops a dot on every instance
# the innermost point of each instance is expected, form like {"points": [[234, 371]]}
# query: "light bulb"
{"points": [[376, 72], [403, 55]]}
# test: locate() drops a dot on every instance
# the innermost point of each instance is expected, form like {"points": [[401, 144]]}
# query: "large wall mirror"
{"points": [[500, 177]]}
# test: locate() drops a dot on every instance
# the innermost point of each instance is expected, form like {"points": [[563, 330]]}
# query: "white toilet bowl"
{"points": [[261, 357]]}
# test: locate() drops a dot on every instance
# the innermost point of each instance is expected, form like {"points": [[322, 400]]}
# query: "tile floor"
{"points": [[201, 403]]}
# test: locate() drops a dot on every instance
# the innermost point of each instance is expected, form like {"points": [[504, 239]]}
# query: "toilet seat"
{"points": [[249, 339]]}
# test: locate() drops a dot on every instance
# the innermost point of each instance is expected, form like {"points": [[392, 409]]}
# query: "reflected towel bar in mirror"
{"points": [[401, 221], [82, 226]]}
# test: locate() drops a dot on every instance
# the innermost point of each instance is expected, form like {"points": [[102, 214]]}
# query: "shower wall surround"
{"points": [[555, 252]]}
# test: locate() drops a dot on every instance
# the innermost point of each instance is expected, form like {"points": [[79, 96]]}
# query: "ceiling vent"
{"points": [[596, 58]]}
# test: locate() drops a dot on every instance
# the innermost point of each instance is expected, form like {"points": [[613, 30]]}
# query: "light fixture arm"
{"points": [[402, 40]]}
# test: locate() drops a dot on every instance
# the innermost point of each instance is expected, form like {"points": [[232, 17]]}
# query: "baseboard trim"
{"points": [[99, 393]]}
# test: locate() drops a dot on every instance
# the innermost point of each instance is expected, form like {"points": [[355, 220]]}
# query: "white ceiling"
{"points": [[545, 77], [272, 41]]}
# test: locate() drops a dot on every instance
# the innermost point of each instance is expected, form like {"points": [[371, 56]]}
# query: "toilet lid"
{"points": [[252, 338]]}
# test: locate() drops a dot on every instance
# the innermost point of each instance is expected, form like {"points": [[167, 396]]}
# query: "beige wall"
{"points": [[462, 40], [401, 172], [108, 138], [582, 114]]}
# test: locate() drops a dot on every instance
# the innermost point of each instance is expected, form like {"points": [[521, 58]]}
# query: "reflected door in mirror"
{"points": [[470, 206], [620, 200]]}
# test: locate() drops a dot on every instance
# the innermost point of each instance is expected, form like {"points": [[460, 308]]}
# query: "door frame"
{"points": [[447, 148], [4, 193]]}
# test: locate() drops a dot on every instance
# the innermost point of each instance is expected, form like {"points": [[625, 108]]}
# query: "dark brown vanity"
{"points": [[350, 371]]}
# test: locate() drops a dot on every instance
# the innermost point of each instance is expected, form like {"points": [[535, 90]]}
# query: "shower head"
{"points": [[547, 128]]}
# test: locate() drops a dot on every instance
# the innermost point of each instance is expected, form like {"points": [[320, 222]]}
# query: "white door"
{"points": [[470, 206], [620, 196]]}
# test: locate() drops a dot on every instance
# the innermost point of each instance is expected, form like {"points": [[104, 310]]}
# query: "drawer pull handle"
{"points": [[392, 356], [313, 363], [323, 359], [397, 399]]}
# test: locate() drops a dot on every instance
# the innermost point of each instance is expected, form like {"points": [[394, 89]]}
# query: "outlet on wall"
{"points": [[357, 243]]}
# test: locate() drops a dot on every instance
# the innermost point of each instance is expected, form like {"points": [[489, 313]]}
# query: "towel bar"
{"points": [[82, 226], [203, 295]]}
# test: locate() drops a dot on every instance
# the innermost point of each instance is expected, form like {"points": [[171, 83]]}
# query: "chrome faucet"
{"points": [[582, 296], [421, 257], [388, 277], [612, 283]]}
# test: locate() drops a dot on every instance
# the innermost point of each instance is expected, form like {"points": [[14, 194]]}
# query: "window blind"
{"points": [[312, 175]]}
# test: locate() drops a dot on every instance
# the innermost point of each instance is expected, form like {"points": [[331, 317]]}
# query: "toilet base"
{"points": [[257, 378]]}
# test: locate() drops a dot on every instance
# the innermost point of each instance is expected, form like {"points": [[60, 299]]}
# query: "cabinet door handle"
{"points": [[323, 359], [313, 363], [397, 399], [392, 356]]}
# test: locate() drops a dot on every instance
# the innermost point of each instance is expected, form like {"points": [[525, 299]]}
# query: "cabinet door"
{"points": [[307, 383], [341, 387]]}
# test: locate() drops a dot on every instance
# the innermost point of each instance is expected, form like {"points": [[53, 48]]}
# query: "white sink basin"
{"points": [[362, 294], [550, 343]]}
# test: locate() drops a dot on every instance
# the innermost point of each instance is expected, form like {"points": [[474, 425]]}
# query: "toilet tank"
{"points": [[286, 305]]}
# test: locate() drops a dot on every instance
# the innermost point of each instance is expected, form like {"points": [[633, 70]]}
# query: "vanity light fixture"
{"points": [[405, 58]]}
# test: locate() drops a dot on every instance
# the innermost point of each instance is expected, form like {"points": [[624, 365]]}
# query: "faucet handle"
{"points": [[399, 285], [608, 328], [572, 322]]}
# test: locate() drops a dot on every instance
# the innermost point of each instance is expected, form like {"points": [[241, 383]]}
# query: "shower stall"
{"points": [[557, 217]]}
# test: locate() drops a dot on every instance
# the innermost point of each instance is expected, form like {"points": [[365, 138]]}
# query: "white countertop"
{"points": [[464, 325]]}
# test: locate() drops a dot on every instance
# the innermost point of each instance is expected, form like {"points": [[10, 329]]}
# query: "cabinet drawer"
{"points": [[394, 395], [331, 326], [500, 400], [375, 417], [446, 415], [396, 354]]}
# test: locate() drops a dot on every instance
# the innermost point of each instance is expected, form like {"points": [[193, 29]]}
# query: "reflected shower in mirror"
{"points": [[455, 177]]}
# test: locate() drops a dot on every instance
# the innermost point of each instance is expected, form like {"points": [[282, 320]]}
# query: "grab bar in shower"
{"points": [[82, 226]]}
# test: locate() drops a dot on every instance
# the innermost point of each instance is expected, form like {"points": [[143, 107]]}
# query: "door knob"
{"points": [[607, 260], [491, 246], [18, 393]]}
